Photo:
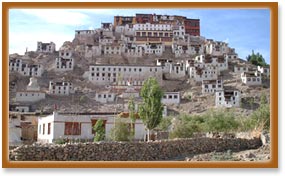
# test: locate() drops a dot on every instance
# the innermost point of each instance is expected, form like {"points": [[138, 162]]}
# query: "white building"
{"points": [[216, 48], [171, 98], [178, 31], [264, 70], [46, 47], [220, 62], [228, 98], [133, 50], [64, 64], [32, 94], [112, 49], [152, 27], [251, 78], [240, 69], [60, 88], [211, 86], [79, 126], [25, 69], [200, 73], [154, 48], [121, 74], [105, 96], [196, 49]]}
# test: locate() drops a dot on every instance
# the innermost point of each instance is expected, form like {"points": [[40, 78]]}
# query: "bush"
{"points": [[100, 131], [186, 126], [220, 121], [120, 131], [212, 121], [165, 123]]}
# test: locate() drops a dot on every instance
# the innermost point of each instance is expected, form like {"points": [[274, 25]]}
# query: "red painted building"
{"points": [[192, 26], [144, 18]]}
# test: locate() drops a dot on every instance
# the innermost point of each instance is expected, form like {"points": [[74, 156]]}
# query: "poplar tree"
{"points": [[150, 111]]}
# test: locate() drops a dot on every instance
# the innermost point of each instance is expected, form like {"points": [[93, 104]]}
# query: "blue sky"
{"points": [[243, 29]]}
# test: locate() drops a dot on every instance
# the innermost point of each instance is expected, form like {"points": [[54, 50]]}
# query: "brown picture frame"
{"points": [[272, 6]]}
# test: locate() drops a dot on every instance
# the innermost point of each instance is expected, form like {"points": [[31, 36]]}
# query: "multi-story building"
{"points": [[228, 97], [124, 20], [32, 92], [153, 33], [265, 70], [241, 68], [60, 88], [25, 69], [46, 47], [64, 64], [217, 48], [211, 86], [251, 78], [65, 61], [172, 70], [192, 26], [121, 74]]}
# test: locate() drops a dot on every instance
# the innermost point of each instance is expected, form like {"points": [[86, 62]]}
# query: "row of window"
{"points": [[25, 94], [121, 69], [253, 79], [42, 129], [154, 34], [170, 97]]}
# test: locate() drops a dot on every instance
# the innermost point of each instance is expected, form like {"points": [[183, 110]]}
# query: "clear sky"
{"points": [[244, 29]]}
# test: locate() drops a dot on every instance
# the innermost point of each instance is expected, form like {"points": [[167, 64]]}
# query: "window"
{"points": [[40, 129], [72, 128], [175, 96], [170, 96], [140, 69], [43, 128], [49, 128]]}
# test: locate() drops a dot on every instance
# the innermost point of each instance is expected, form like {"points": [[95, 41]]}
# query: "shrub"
{"points": [[220, 121], [100, 131], [165, 123], [120, 131]]}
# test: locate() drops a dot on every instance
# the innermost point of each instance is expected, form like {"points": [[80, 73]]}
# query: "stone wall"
{"points": [[132, 151]]}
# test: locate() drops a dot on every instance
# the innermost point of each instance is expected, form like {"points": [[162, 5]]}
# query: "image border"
{"points": [[272, 163]]}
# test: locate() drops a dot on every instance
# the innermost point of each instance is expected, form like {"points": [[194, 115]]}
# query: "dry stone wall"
{"points": [[130, 151]]}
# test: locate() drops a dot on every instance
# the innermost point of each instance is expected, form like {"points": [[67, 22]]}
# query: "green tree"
{"points": [[120, 131], [151, 108], [131, 106], [256, 59], [100, 131]]}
